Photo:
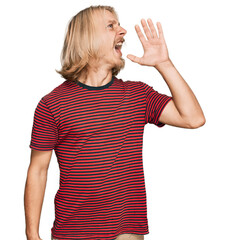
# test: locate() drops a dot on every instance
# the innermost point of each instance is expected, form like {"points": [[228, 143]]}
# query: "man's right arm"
{"points": [[35, 190]]}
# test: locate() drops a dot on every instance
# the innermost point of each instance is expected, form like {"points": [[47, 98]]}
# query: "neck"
{"points": [[94, 77]]}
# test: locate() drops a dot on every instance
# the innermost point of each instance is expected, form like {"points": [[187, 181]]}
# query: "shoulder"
{"points": [[57, 93], [131, 84]]}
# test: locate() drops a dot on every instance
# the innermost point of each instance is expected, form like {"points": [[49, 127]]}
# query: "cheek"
{"points": [[104, 42]]}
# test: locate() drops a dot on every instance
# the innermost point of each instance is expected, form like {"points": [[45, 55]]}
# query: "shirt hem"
{"points": [[100, 236]]}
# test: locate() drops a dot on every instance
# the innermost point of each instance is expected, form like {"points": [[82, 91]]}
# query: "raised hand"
{"points": [[155, 49]]}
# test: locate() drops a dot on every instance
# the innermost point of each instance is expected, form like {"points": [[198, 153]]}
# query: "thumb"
{"points": [[133, 58]]}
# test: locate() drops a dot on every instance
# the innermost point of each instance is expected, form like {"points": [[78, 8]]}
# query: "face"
{"points": [[111, 36]]}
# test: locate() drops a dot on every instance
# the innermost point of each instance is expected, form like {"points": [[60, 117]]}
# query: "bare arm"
{"points": [[183, 110], [35, 190]]}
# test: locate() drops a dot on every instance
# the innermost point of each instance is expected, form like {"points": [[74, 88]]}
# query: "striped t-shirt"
{"points": [[97, 136]]}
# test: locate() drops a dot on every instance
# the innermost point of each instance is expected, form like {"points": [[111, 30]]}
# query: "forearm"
{"points": [[183, 97], [33, 200]]}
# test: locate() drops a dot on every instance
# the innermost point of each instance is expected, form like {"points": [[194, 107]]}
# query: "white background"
{"points": [[186, 171]]}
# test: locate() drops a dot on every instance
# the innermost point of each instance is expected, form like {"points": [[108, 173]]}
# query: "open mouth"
{"points": [[118, 47]]}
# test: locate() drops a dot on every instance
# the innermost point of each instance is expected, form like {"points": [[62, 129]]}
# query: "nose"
{"points": [[122, 31]]}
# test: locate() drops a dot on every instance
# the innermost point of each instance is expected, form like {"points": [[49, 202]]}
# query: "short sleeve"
{"points": [[44, 132], [155, 103]]}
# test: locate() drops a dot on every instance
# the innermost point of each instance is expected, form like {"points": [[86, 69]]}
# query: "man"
{"points": [[94, 122]]}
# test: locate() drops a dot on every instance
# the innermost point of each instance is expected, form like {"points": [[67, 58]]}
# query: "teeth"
{"points": [[118, 45]]}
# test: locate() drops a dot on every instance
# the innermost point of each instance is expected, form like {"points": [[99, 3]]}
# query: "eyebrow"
{"points": [[113, 21]]}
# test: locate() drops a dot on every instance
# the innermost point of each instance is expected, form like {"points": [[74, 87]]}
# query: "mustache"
{"points": [[121, 40]]}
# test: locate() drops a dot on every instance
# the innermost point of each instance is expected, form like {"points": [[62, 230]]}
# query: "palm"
{"points": [[155, 49]]}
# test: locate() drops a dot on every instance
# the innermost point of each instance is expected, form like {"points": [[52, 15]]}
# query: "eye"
{"points": [[110, 25]]}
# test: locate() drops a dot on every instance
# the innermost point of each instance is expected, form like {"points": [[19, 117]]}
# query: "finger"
{"points": [[133, 58], [146, 29], [152, 28], [160, 31], [140, 34]]}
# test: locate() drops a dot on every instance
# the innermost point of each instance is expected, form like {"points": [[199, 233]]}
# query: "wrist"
{"points": [[166, 64], [32, 236]]}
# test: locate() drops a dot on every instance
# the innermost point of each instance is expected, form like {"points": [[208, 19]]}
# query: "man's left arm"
{"points": [[183, 110]]}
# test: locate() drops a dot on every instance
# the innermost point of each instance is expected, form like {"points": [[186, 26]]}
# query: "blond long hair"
{"points": [[82, 43]]}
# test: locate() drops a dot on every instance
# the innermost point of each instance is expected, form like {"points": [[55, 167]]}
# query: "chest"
{"points": [[90, 114]]}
